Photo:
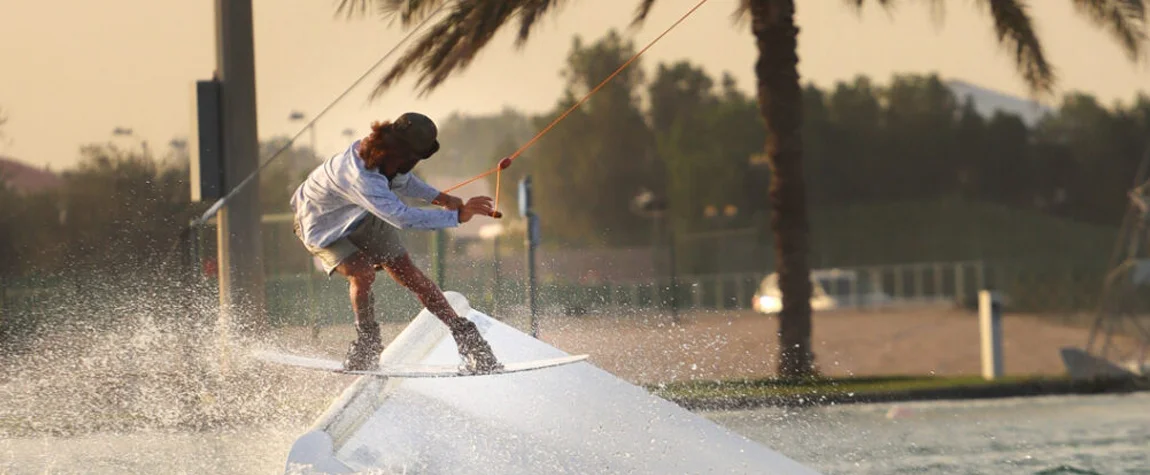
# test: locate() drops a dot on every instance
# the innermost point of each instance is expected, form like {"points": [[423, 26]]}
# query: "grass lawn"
{"points": [[760, 392]]}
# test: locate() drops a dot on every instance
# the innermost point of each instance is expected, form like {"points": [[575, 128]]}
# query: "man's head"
{"points": [[396, 147]]}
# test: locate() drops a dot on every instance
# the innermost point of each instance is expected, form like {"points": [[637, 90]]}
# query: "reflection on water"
{"points": [[1072, 434]]}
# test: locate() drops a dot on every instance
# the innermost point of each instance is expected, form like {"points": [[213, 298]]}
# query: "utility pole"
{"points": [[531, 238], [439, 257], [242, 296]]}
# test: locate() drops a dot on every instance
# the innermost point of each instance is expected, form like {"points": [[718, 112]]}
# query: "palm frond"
{"points": [[641, 11], [352, 8], [1015, 31], [741, 17], [452, 42], [857, 4], [1125, 20], [529, 15], [937, 7], [937, 12], [409, 12]]}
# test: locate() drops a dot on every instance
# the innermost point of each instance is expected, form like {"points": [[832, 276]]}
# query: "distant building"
{"points": [[988, 101], [25, 178]]}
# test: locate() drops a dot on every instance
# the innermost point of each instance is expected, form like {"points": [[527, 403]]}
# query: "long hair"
{"points": [[376, 146]]}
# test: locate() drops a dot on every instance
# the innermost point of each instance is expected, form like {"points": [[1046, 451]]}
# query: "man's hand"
{"points": [[477, 206], [447, 201]]}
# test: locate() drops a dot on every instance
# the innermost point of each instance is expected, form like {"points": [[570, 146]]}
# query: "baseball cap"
{"points": [[417, 131]]}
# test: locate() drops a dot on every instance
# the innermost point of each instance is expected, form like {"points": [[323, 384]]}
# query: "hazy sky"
{"points": [[75, 69]]}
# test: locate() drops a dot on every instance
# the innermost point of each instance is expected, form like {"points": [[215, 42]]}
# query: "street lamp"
{"points": [[493, 232], [180, 146], [730, 211], [723, 215], [126, 132], [297, 116], [647, 204]]}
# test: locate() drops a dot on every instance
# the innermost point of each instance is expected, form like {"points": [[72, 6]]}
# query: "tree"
{"points": [[279, 180], [708, 141], [10, 206], [682, 101], [602, 157], [969, 132], [452, 42], [470, 143], [1099, 150], [120, 214], [1105, 157], [678, 93], [919, 112], [855, 115]]}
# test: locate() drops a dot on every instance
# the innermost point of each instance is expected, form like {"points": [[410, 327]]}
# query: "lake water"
{"points": [[1106, 434]]}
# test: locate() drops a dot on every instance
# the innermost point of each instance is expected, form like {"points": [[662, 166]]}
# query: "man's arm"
{"points": [[373, 193], [411, 186]]}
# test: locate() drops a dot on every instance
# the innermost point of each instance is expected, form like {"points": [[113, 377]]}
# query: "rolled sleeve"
{"points": [[375, 196], [411, 186]]}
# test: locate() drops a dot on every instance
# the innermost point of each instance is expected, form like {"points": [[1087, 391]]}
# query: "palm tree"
{"points": [[453, 41]]}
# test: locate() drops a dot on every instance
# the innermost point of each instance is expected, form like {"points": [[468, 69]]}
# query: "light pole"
{"points": [[531, 238], [243, 291], [647, 204], [180, 146], [297, 116], [126, 132], [493, 232]]}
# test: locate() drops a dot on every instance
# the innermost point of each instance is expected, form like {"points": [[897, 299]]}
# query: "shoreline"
{"points": [[812, 396]]}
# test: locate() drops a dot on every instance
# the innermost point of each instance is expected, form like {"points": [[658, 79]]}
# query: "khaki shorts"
{"points": [[372, 236]]}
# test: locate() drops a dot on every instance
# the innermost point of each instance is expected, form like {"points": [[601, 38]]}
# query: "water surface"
{"points": [[1106, 434]]}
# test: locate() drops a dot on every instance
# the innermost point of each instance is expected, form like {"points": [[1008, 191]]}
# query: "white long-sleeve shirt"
{"points": [[340, 192]]}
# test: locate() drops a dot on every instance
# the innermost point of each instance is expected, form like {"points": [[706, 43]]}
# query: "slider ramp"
{"points": [[569, 419]]}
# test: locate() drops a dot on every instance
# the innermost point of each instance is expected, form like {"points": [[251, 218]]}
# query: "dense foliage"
{"points": [[682, 132]]}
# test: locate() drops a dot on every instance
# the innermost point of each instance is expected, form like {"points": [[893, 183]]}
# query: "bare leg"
{"points": [[360, 276], [365, 350], [472, 346], [408, 275]]}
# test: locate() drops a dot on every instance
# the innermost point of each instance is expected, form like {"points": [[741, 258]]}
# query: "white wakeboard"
{"points": [[410, 370]]}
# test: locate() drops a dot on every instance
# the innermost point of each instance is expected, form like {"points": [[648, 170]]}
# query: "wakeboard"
{"points": [[410, 370]]}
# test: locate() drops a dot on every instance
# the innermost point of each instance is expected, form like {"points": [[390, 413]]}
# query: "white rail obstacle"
{"points": [[570, 419]]}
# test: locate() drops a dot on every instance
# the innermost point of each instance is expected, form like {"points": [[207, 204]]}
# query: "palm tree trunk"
{"points": [[780, 102]]}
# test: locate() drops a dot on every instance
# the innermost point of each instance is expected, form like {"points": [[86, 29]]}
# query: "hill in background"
{"points": [[25, 178]]}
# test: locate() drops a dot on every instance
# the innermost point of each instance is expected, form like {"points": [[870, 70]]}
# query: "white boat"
{"points": [[569, 419]]}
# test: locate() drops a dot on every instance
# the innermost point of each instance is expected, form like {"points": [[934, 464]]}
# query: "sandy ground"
{"points": [[646, 348]]}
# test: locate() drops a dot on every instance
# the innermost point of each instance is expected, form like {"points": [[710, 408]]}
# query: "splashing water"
{"points": [[130, 365]]}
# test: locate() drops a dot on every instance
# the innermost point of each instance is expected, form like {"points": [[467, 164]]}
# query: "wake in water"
{"points": [[127, 360]]}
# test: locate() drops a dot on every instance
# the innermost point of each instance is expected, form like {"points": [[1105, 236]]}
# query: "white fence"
{"points": [[930, 282]]}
